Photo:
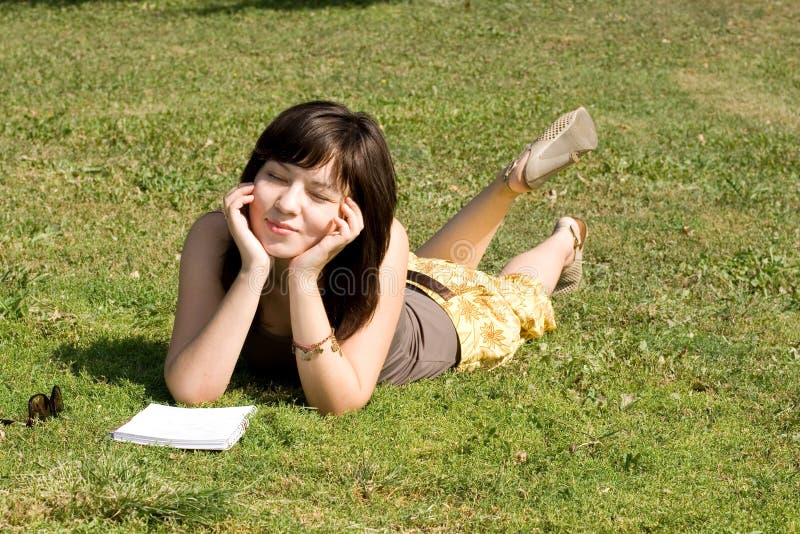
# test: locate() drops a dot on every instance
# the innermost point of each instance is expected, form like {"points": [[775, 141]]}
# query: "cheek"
{"points": [[322, 221], [261, 198], [254, 210]]}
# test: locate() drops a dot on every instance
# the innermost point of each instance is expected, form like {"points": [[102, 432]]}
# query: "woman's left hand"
{"points": [[344, 230]]}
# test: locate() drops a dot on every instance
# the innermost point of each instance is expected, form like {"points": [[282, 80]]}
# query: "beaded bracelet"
{"points": [[308, 352]]}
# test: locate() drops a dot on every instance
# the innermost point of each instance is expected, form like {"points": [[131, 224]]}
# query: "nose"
{"points": [[290, 199]]}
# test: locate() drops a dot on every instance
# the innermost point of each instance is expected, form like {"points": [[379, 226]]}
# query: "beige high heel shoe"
{"points": [[561, 145], [571, 277]]}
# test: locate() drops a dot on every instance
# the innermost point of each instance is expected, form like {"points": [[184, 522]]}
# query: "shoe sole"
{"points": [[561, 145]]}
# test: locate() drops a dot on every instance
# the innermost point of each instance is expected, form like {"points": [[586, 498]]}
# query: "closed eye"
{"points": [[320, 197], [275, 178]]}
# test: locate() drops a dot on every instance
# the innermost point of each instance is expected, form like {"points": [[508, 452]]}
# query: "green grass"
{"points": [[666, 400]]}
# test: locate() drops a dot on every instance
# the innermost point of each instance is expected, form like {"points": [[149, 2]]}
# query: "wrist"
{"points": [[256, 276], [303, 280], [304, 273]]}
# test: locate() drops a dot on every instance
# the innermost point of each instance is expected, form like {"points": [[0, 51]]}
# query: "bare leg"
{"points": [[466, 236], [547, 259]]}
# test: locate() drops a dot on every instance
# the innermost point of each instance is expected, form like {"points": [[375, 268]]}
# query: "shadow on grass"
{"points": [[49, 3], [281, 5], [134, 359], [281, 388], [141, 361], [220, 6]]}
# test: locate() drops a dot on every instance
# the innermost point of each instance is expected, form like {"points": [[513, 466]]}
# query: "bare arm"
{"points": [[211, 325], [337, 382]]}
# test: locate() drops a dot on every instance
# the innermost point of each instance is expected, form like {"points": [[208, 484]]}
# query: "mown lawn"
{"points": [[669, 396]]}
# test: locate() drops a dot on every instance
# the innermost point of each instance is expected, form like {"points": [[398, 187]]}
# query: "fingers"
{"points": [[348, 226], [250, 248], [351, 222], [239, 202], [239, 188], [343, 229], [236, 198], [351, 214]]}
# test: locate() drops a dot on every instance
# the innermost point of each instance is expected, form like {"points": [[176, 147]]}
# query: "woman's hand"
{"points": [[344, 230], [254, 256]]}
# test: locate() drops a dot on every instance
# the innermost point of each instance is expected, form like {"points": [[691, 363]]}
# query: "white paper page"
{"points": [[161, 423]]}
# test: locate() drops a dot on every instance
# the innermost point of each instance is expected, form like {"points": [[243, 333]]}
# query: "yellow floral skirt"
{"points": [[493, 315]]}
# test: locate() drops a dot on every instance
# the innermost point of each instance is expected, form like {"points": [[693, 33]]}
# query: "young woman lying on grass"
{"points": [[306, 272]]}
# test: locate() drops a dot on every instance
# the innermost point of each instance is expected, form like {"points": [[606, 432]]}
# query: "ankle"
{"points": [[565, 231], [503, 187], [513, 174]]}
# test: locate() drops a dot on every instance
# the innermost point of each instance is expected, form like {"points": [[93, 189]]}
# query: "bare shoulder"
{"points": [[397, 226], [395, 263], [211, 228], [208, 236], [205, 247], [398, 242]]}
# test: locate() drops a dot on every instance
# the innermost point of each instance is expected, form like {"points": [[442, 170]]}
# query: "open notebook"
{"points": [[186, 428]]}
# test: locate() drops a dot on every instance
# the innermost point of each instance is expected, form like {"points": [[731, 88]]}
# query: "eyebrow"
{"points": [[315, 183], [323, 185]]}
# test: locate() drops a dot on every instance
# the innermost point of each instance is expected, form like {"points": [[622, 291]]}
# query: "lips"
{"points": [[280, 228]]}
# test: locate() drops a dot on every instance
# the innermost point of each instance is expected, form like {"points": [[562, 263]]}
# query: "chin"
{"points": [[282, 250]]}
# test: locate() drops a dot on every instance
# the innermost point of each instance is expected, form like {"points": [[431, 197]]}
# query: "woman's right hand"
{"points": [[254, 256]]}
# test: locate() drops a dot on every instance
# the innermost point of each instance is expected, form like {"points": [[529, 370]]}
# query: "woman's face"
{"points": [[293, 207]]}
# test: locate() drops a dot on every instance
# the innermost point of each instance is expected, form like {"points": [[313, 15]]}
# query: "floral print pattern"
{"points": [[493, 315]]}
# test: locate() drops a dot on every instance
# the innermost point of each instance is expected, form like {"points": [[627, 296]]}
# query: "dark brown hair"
{"points": [[310, 135]]}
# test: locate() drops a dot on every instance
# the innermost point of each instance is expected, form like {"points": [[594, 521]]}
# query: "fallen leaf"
{"points": [[56, 315], [627, 400]]}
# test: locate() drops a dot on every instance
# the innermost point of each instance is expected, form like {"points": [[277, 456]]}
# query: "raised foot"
{"points": [[571, 135]]}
